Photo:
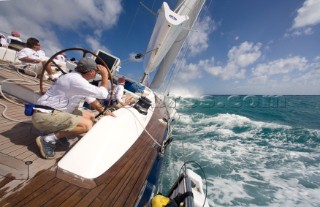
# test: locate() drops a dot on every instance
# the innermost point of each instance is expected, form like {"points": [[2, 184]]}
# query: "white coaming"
{"points": [[106, 142]]}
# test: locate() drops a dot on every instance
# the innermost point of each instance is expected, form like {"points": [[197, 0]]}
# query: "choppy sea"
{"points": [[254, 150]]}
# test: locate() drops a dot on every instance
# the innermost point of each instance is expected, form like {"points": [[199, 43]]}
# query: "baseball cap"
{"points": [[15, 33], [85, 65], [121, 80]]}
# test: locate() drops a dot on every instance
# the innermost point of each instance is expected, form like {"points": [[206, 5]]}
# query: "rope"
{"points": [[204, 175], [11, 119], [144, 128], [31, 81]]}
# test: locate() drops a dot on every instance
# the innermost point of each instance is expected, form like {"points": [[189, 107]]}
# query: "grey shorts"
{"points": [[34, 69], [56, 121]]}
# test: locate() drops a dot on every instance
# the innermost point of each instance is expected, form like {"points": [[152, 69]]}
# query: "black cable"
{"points": [[204, 175]]}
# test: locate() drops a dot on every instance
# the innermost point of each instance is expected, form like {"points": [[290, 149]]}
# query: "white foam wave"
{"points": [[234, 120], [274, 172], [186, 92], [224, 124], [224, 191], [258, 167]]}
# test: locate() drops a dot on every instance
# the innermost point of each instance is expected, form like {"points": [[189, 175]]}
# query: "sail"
{"points": [[192, 9], [168, 26]]}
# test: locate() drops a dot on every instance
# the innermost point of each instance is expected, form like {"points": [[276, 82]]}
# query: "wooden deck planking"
{"points": [[137, 177], [19, 152], [91, 196], [63, 195], [138, 183], [45, 196], [36, 194], [40, 180], [15, 143], [28, 156], [120, 184]]}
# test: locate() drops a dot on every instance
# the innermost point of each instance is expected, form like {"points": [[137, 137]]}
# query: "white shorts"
{"points": [[34, 69]]}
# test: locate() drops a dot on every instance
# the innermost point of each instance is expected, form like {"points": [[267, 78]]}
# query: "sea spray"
{"points": [[252, 155]]}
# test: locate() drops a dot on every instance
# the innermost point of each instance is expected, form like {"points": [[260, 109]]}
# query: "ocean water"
{"points": [[254, 150]]}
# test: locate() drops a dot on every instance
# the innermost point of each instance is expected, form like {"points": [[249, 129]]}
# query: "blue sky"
{"points": [[236, 47]]}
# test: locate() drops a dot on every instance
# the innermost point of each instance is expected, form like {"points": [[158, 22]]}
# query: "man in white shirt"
{"points": [[3, 41], [118, 98], [34, 59], [57, 110], [61, 57]]}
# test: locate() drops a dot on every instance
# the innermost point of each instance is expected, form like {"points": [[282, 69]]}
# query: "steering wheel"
{"points": [[85, 52]]}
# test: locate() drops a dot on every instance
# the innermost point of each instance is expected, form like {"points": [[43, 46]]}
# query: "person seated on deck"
{"points": [[34, 59], [14, 36], [61, 57], [57, 113], [3, 41], [60, 61], [117, 95]]}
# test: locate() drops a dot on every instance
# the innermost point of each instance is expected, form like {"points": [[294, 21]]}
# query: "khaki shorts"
{"points": [[33, 69], [56, 121]]}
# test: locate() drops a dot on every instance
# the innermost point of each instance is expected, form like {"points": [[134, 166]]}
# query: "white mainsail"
{"points": [[192, 9], [169, 34], [168, 26]]}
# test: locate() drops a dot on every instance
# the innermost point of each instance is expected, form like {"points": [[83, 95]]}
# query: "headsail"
{"points": [[169, 35]]}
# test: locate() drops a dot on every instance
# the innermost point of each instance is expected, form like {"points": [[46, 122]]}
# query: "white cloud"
{"points": [[197, 40], [280, 66], [308, 14], [244, 55], [68, 15], [238, 58], [293, 75], [94, 44], [189, 71], [303, 31]]}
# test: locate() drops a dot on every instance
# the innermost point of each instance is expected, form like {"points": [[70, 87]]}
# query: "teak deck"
{"points": [[28, 180]]}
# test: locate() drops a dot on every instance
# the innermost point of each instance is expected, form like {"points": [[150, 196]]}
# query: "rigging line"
{"points": [[177, 66], [149, 10], [154, 1], [132, 22], [176, 69], [204, 175], [144, 128]]}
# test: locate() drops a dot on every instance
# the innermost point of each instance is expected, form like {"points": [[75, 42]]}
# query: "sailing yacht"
{"points": [[117, 163]]}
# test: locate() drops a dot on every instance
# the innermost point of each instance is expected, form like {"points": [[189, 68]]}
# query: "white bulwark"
{"points": [[106, 142]]}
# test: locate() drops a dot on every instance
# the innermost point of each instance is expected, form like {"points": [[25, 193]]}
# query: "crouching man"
{"points": [[57, 113]]}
